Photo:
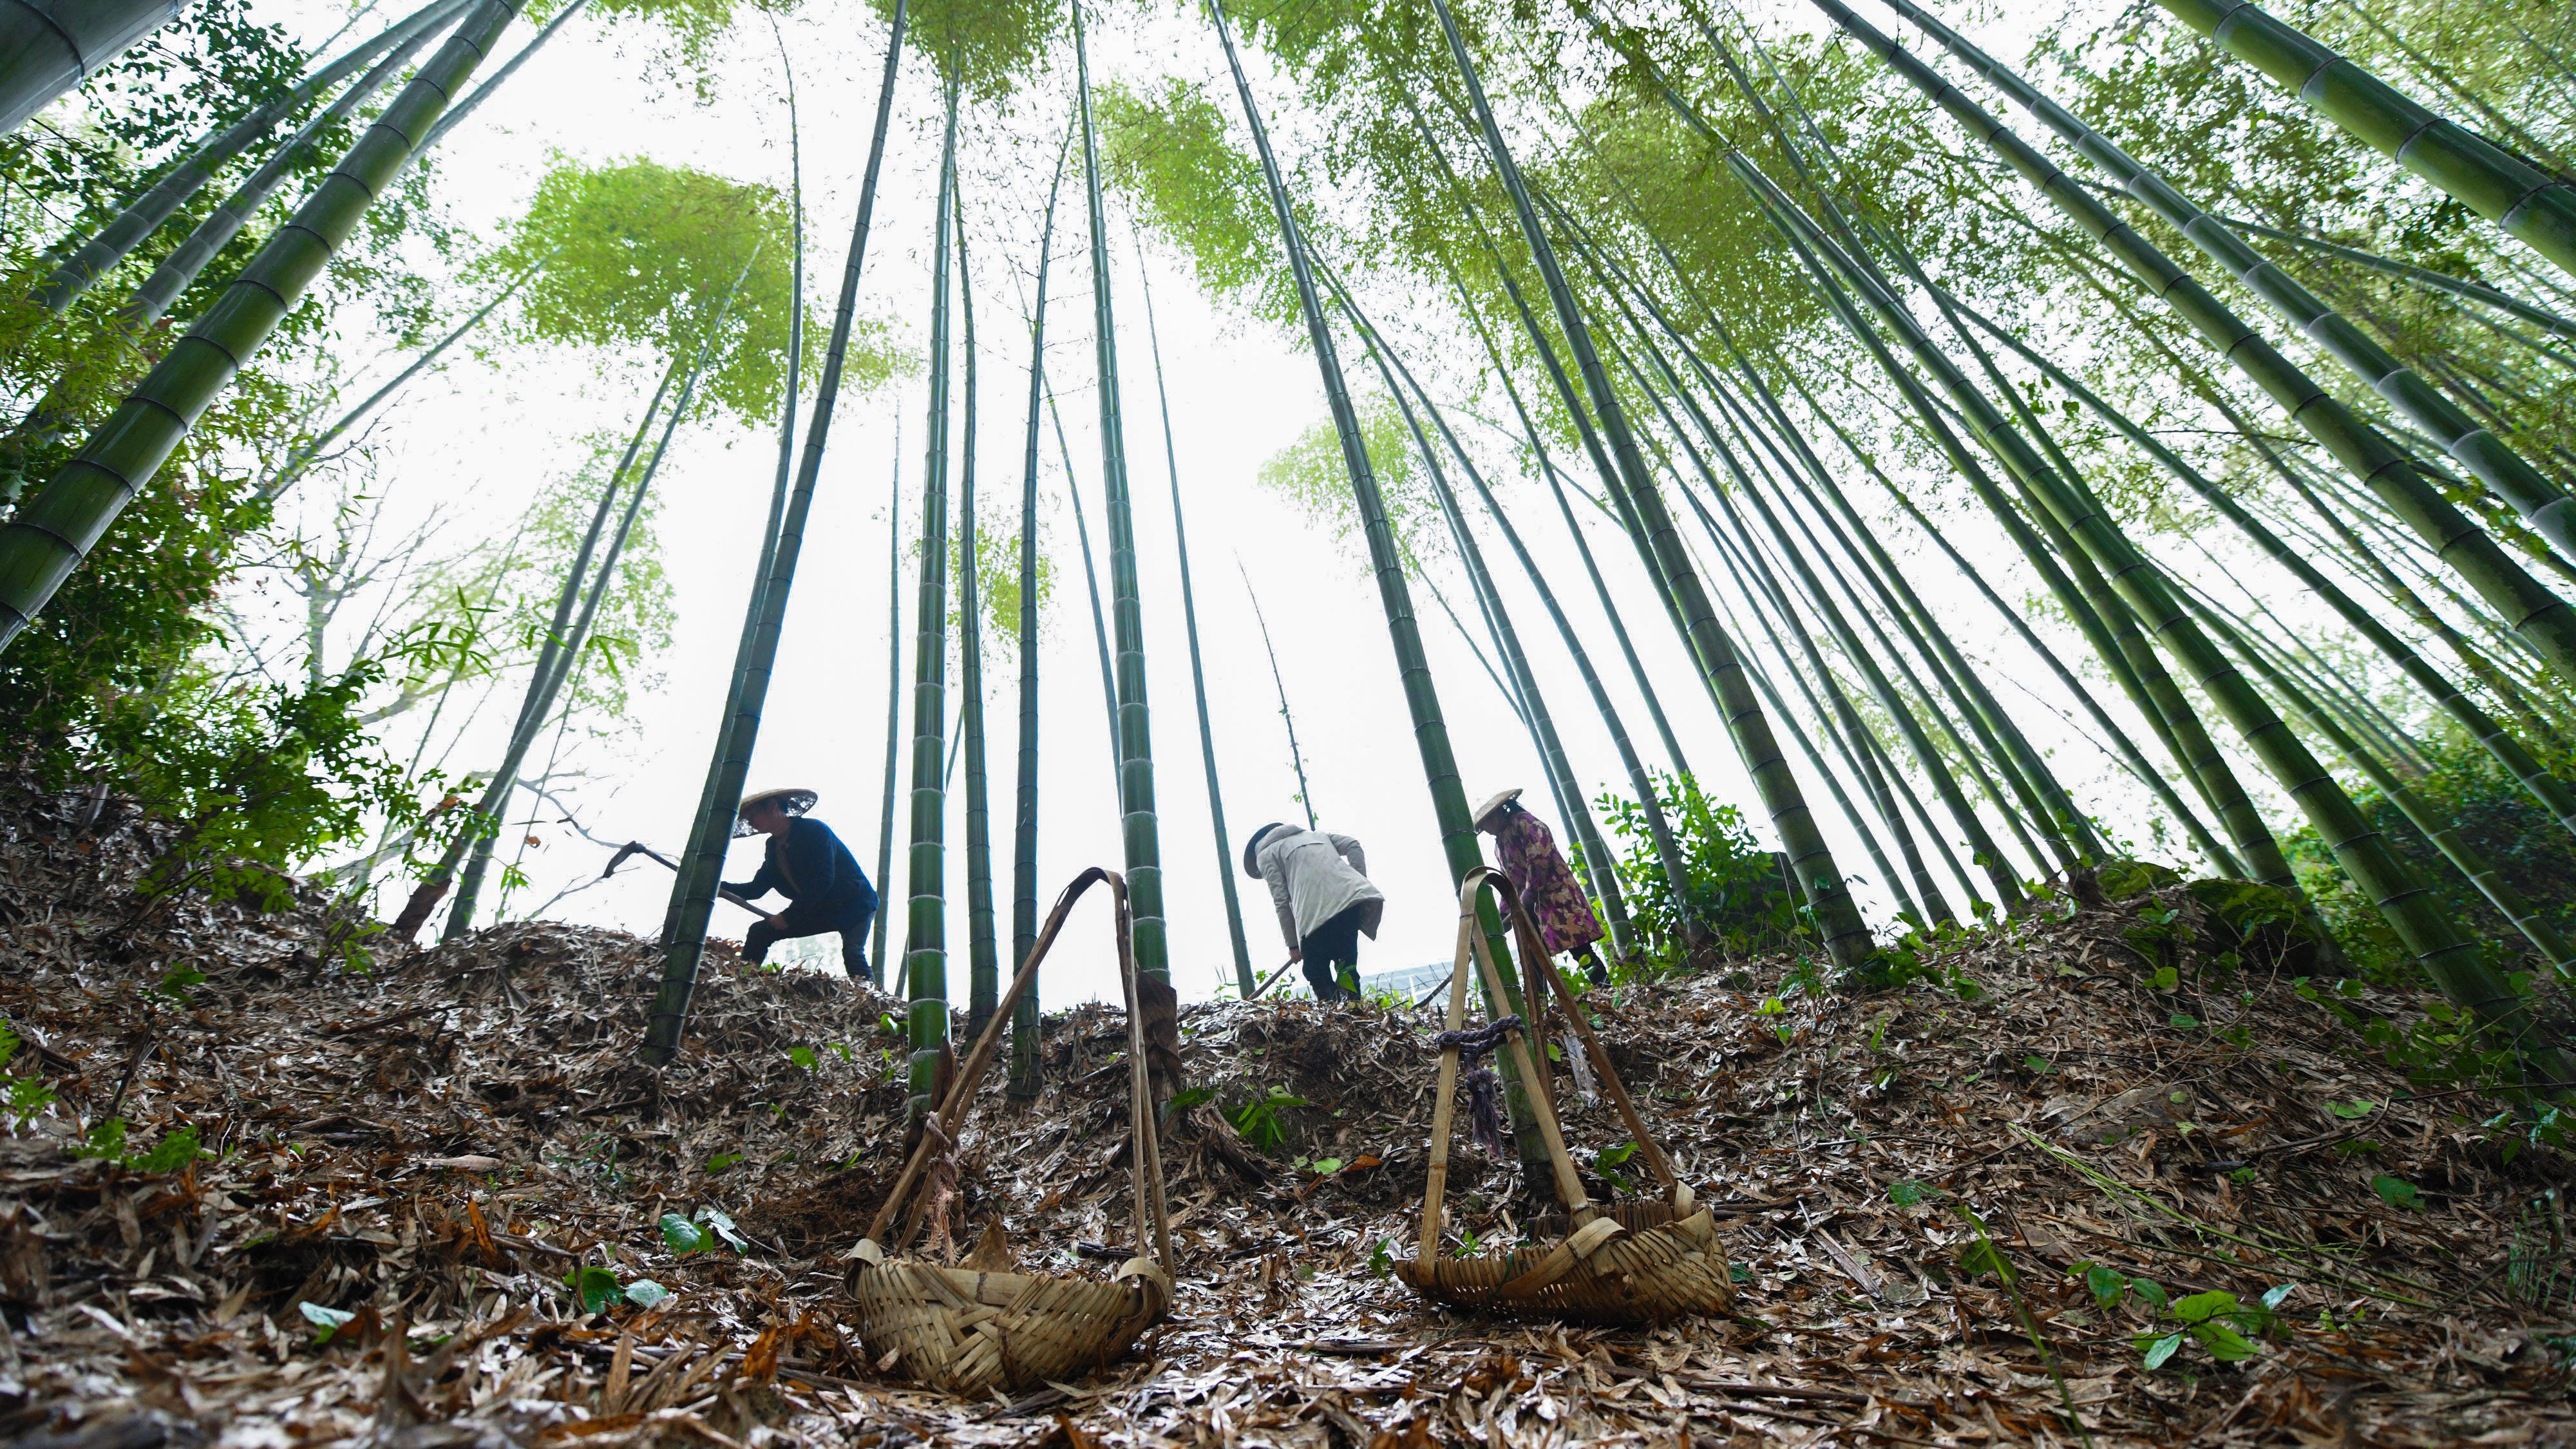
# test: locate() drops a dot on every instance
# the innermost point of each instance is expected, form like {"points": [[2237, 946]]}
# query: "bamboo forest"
{"points": [[1899, 678]]}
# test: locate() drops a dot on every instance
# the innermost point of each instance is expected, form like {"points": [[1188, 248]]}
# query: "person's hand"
{"points": [[1295, 955], [776, 923]]}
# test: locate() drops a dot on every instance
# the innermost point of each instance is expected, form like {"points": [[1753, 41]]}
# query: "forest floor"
{"points": [[404, 1172]]}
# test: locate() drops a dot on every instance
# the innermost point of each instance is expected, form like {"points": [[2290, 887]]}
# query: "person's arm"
{"points": [[763, 880], [1351, 852], [1279, 899]]}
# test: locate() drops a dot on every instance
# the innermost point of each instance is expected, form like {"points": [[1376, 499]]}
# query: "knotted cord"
{"points": [[1484, 1089]]}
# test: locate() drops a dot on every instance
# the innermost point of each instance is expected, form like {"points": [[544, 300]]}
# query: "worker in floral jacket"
{"points": [[1555, 901]]}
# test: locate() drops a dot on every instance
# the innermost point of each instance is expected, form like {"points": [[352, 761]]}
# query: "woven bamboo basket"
{"points": [[1624, 1263], [969, 1332]]}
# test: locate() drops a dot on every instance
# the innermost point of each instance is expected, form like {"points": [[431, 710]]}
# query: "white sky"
{"points": [[476, 440]]}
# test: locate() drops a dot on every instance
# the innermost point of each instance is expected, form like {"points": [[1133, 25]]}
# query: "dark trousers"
{"points": [[1334, 944], [851, 918]]}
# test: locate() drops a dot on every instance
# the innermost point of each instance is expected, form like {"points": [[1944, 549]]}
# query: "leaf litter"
{"points": [[438, 1202]]}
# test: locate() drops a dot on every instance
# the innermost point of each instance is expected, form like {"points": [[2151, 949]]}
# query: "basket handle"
{"points": [[1473, 946], [1677, 1191], [951, 1113]]}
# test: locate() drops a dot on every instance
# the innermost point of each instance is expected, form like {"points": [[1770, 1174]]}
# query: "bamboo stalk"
{"points": [[1139, 827], [1847, 938], [1027, 1065], [693, 894], [2525, 201], [2541, 502], [1243, 981], [54, 531]]}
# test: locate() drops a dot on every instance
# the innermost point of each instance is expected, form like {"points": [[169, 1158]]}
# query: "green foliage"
{"points": [[684, 1237], [173, 1153], [989, 46], [1258, 1122], [29, 1095], [1312, 474], [1736, 890], [259, 778], [642, 255], [594, 1287], [2495, 815], [718, 1223], [689, 32], [2228, 1329], [1171, 149], [997, 577]]}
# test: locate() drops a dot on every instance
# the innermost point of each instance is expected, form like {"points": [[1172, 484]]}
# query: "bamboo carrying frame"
{"points": [[1625, 1263], [970, 1332]]}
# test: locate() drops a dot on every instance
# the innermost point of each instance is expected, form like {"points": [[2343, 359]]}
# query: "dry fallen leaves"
{"points": [[414, 1177]]}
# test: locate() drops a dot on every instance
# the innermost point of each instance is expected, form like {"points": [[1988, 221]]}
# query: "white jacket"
{"points": [[1315, 876]]}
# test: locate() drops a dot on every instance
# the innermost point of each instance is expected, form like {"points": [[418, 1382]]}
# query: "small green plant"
{"points": [[723, 1227], [1321, 1166], [28, 1098], [106, 1139], [1470, 1242], [1186, 1098], [1906, 1192], [1382, 1257], [721, 1161], [842, 1050], [594, 1287], [803, 1057], [329, 1320], [2215, 1320], [1258, 1122], [683, 1237], [175, 983], [1607, 1161], [171, 1154], [29, 1095], [2397, 1192]]}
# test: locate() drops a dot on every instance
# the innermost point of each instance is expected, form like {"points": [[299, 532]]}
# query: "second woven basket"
{"points": [[1624, 1263], [970, 1332]]}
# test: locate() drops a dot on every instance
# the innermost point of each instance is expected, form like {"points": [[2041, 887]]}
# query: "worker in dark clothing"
{"points": [[808, 864]]}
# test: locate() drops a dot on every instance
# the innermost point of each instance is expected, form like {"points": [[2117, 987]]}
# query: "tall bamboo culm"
{"points": [[1422, 699], [2451, 962], [983, 956], [2539, 616], [1243, 982], [53, 531], [1026, 1064], [1837, 915], [1139, 830], [2525, 201], [894, 710], [693, 894], [925, 944], [2541, 501]]}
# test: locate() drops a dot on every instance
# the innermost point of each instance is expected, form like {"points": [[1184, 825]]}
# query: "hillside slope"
{"points": [[438, 1143]]}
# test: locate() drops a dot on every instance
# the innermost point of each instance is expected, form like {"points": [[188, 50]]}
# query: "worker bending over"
{"points": [[1319, 882], [808, 864], [1555, 901]]}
